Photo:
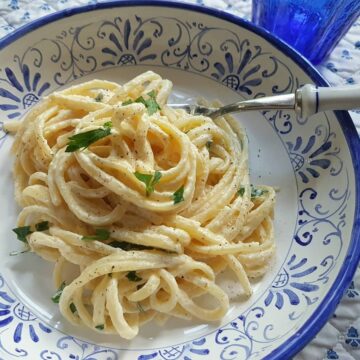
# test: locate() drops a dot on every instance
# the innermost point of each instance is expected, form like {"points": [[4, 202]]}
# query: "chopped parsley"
{"points": [[99, 97], [99, 327], [127, 102], [241, 191], [132, 276], [100, 234], [22, 232], [208, 144], [178, 195], [256, 192], [149, 180], [151, 105], [42, 226], [56, 297], [85, 139], [73, 308], [126, 246]]}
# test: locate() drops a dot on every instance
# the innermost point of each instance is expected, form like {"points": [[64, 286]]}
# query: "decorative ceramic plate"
{"points": [[314, 162]]}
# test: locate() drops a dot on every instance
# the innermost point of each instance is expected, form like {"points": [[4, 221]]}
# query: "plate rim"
{"points": [[327, 306]]}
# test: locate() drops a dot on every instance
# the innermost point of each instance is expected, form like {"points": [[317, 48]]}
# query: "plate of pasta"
{"points": [[134, 230]]}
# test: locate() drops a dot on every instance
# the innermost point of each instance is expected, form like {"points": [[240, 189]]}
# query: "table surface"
{"points": [[340, 337]]}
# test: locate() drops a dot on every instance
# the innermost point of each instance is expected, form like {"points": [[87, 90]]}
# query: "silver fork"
{"points": [[306, 101]]}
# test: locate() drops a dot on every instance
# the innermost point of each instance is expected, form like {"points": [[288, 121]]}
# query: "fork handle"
{"points": [[311, 99]]}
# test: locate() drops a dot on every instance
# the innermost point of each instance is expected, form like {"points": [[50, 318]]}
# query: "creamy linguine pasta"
{"points": [[149, 203]]}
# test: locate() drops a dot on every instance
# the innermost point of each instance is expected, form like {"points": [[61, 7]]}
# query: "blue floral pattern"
{"points": [[245, 67], [319, 156], [291, 283], [351, 292], [18, 322], [352, 337], [127, 46], [231, 72], [187, 352], [13, 5], [26, 89], [332, 355]]}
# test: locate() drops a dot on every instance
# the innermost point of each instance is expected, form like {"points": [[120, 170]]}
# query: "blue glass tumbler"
{"points": [[313, 27]]}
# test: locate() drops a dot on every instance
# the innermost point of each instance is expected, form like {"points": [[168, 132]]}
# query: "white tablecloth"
{"points": [[340, 337]]}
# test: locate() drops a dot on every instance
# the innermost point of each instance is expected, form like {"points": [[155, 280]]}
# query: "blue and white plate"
{"points": [[314, 162]]}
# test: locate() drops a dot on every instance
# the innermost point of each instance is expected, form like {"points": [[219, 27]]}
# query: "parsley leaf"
{"points": [[100, 234], [146, 179], [149, 180], [208, 144], [129, 246], [99, 97], [157, 177], [42, 226], [99, 327], [126, 102], [56, 297], [255, 192], [85, 139], [151, 105], [22, 232], [241, 191], [126, 246], [73, 308], [152, 94], [141, 100], [132, 276], [178, 195]]}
